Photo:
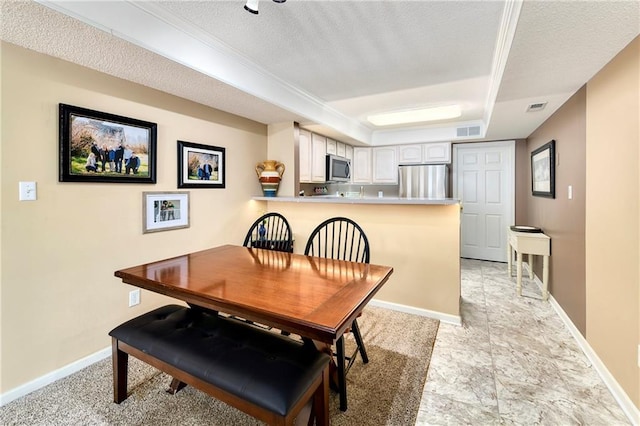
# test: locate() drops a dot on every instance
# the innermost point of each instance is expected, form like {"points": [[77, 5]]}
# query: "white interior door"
{"points": [[484, 175]]}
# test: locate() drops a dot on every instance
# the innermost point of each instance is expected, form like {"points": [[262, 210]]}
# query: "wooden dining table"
{"points": [[314, 297]]}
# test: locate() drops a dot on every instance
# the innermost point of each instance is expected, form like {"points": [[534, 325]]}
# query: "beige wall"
{"points": [[58, 254], [613, 217], [560, 218], [421, 243], [281, 137]]}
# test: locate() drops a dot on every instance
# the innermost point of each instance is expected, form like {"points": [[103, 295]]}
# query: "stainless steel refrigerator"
{"points": [[424, 181]]}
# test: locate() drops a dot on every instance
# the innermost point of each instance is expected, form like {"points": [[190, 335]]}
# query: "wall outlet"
{"points": [[134, 297]]}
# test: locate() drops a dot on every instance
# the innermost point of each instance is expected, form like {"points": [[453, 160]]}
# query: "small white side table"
{"points": [[530, 243]]}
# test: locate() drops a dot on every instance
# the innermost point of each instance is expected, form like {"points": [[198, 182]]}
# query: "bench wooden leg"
{"points": [[321, 401], [175, 386], [120, 371]]}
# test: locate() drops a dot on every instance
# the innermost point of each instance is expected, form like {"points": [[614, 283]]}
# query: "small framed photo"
{"points": [[163, 211], [543, 170], [100, 147], [200, 166]]}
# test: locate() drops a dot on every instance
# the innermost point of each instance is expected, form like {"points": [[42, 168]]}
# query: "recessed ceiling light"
{"points": [[416, 115]]}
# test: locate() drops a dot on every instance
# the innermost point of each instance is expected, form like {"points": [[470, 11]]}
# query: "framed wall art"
{"points": [[543, 170], [200, 166], [163, 211], [100, 147]]}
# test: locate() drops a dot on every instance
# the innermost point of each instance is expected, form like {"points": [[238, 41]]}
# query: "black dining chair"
{"points": [[270, 231], [343, 239]]}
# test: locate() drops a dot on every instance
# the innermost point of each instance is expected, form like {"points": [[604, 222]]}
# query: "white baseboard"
{"points": [[446, 318], [58, 374], [630, 410]]}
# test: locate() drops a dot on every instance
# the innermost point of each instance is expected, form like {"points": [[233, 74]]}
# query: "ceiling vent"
{"points": [[463, 132], [539, 106]]}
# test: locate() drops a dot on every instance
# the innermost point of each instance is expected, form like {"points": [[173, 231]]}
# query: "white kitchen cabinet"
{"points": [[361, 165], [318, 158], [304, 156], [437, 152], [312, 151], [410, 154], [332, 147], [341, 149], [348, 152], [385, 164]]}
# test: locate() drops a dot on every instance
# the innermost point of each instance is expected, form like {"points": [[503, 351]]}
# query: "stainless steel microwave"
{"points": [[338, 169]]}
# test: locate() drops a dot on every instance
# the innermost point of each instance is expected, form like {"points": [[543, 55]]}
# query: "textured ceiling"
{"points": [[346, 50], [329, 64]]}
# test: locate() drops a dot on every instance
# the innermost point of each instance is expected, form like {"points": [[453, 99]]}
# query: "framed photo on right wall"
{"points": [[543, 170]]}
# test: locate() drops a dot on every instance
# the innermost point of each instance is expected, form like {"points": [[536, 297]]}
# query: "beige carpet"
{"points": [[387, 390]]}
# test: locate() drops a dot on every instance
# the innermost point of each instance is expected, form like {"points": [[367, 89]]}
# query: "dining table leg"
{"points": [[342, 380]]}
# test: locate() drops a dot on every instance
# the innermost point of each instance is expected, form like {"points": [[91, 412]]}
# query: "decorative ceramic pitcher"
{"points": [[270, 173]]}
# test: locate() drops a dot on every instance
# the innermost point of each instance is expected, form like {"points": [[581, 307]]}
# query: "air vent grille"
{"points": [[463, 132], [539, 106], [474, 131]]}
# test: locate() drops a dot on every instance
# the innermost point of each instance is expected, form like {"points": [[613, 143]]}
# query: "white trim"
{"points": [[51, 377], [630, 410], [446, 318], [506, 34]]}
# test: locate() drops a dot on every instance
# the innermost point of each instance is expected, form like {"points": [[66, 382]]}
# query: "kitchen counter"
{"points": [[333, 199]]}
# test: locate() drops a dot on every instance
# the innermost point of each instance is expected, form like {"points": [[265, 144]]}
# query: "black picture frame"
{"points": [[87, 137], [201, 166], [543, 170]]}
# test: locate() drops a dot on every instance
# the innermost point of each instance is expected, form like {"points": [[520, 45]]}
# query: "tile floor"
{"points": [[512, 362]]}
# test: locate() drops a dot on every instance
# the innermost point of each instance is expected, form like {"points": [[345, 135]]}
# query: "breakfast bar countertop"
{"points": [[334, 199]]}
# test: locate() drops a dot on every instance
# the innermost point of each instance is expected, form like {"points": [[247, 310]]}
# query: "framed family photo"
{"points": [[200, 166], [543, 170], [163, 211], [100, 147]]}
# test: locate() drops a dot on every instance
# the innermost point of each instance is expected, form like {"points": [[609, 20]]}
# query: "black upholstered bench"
{"points": [[266, 375]]}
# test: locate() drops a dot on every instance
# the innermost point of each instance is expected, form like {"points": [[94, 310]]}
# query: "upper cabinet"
{"points": [[304, 155], [348, 151], [312, 151], [385, 164], [361, 165], [436, 152], [318, 158], [410, 154], [375, 165], [332, 147]]}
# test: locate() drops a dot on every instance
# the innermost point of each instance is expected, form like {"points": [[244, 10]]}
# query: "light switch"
{"points": [[570, 192], [27, 191]]}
